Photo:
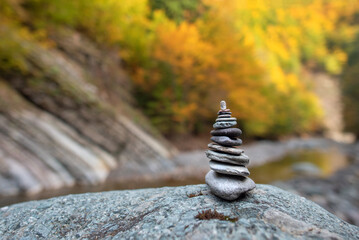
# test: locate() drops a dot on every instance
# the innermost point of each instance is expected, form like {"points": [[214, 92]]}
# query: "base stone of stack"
{"points": [[228, 187]]}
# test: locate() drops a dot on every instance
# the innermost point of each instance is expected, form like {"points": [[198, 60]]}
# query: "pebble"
{"points": [[242, 159], [229, 132], [224, 116], [218, 125], [224, 113], [226, 119], [230, 169], [226, 141], [230, 150], [228, 187]]}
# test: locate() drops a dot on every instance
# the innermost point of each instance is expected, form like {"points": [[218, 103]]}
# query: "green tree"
{"points": [[178, 10], [350, 87]]}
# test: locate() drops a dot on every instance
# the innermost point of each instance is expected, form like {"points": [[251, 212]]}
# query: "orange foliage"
{"points": [[250, 53]]}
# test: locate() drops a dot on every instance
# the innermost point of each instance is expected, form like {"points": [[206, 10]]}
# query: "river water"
{"points": [[302, 162], [297, 163]]}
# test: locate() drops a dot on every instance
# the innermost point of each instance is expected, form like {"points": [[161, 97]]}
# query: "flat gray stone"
{"points": [[241, 160], [266, 212], [226, 119], [218, 125], [229, 132], [230, 150], [227, 168], [228, 187], [226, 141]]}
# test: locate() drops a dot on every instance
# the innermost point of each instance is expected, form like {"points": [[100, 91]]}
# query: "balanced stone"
{"points": [[224, 110], [226, 119], [217, 125], [228, 187], [242, 159], [226, 141], [224, 116], [223, 105], [224, 113], [229, 132], [230, 169], [230, 150]]}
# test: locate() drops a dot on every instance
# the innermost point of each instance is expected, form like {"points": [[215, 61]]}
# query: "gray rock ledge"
{"points": [[266, 212]]}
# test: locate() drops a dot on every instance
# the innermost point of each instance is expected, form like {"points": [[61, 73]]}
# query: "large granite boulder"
{"points": [[266, 212]]}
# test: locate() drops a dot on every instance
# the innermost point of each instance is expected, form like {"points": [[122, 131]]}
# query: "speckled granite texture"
{"points": [[266, 212]]}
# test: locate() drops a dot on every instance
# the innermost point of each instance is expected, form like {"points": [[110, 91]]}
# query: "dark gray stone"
{"points": [[230, 150], [218, 125], [266, 212], [229, 132], [224, 116], [241, 160], [224, 113], [228, 187], [230, 169], [226, 141]]}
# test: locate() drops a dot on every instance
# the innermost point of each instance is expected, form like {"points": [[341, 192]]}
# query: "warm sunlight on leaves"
{"points": [[185, 56]]}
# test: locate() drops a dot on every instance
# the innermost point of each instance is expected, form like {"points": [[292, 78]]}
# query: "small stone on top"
{"points": [[223, 105]]}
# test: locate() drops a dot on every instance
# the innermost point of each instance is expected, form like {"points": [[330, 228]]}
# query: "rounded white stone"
{"points": [[223, 105]]}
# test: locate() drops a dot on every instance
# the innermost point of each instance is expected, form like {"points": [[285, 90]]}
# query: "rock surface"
{"points": [[69, 120], [169, 213]]}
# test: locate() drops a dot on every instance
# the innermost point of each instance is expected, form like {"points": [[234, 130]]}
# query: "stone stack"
{"points": [[228, 177]]}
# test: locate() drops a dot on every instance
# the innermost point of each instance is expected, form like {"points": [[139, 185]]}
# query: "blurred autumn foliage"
{"points": [[350, 87], [186, 56]]}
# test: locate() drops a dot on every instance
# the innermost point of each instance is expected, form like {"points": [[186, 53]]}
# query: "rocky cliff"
{"points": [[188, 212], [70, 118]]}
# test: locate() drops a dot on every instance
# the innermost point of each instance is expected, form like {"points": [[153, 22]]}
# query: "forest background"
{"points": [[183, 57]]}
